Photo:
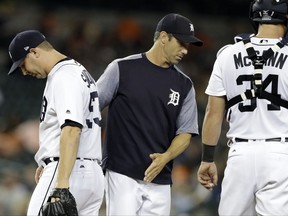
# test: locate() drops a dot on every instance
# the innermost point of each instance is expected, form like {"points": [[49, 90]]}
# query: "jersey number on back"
{"points": [[270, 79]]}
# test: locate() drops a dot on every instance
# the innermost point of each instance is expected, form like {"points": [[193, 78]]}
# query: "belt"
{"points": [[276, 139], [51, 159]]}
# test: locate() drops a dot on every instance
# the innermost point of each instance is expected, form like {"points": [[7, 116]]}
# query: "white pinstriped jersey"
{"points": [[232, 75], [70, 94]]}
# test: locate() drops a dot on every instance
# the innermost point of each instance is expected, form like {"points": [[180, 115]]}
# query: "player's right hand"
{"points": [[207, 175], [38, 173]]}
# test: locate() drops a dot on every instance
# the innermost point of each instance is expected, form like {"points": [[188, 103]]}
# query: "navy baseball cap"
{"points": [[180, 27], [21, 44]]}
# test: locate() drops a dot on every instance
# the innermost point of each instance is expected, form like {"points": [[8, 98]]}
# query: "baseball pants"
{"points": [[86, 185], [131, 197], [255, 179]]}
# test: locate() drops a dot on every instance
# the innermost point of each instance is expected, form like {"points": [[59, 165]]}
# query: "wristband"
{"points": [[208, 153]]}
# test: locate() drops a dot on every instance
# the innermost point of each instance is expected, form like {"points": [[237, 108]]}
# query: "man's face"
{"points": [[175, 50], [31, 66]]}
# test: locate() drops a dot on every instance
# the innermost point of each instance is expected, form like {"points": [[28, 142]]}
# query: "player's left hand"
{"points": [[158, 163], [60, 203]]}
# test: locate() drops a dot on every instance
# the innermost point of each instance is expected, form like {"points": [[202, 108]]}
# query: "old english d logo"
{"points": [[174, 98]]}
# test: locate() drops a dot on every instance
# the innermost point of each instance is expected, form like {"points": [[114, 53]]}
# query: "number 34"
{"points": [[270, 79]]}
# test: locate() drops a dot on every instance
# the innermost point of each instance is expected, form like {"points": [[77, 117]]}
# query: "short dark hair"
{"points": [[157, 34]]}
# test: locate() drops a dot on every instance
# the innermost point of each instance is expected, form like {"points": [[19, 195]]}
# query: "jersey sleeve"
{"points": [[215, 86], [68, 98], [108, 84], [187, 121]]}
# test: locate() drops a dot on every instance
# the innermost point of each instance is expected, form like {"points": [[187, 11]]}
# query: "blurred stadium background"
{"points": [[95, 32]]}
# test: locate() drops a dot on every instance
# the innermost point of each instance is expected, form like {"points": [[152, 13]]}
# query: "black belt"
{"points": [[276, 139], [51, 159]]}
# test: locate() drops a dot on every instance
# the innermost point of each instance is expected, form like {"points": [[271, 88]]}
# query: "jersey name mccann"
{"points": [[277, 60]]}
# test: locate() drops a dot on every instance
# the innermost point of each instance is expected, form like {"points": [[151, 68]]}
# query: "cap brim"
{"points": [[15, 66], [188, 39]]}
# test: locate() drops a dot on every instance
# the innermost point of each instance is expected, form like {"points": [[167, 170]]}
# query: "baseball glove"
{"points": [[65, 204]]}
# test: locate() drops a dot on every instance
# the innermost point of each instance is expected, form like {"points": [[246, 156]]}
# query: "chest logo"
{"points": [[174, 98]]}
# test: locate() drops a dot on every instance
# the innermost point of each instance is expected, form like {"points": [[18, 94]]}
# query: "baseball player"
{"points": [[248, 86], [152, 116], [69, 133]]}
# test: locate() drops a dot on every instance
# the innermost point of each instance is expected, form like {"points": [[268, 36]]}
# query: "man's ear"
{"points": [[163, 37], [35, 52]]}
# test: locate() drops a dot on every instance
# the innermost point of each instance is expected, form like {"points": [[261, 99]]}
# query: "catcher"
{"points": [[69, 132]]}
